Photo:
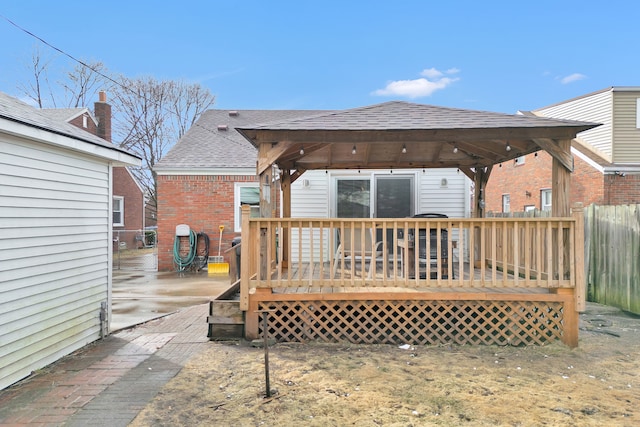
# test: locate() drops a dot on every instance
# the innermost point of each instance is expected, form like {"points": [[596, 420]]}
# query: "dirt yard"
{"points": [[313, 384]]}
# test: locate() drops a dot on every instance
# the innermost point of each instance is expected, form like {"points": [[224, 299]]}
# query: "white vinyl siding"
{"points": [[450, 199], [310, 199], [626, 135], [314, 198], [595, 108], [54, 253]]}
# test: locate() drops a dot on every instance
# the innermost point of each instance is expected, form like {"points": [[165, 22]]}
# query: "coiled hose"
{"points": [[182, 263], [203, 253]]}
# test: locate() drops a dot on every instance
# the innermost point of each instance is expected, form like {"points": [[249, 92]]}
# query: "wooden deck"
{"points": [[503, 282]]}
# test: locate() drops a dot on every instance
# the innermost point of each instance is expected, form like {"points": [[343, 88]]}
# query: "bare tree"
{"points": [[151, 115], [38, 85], [83, 83], [189, 101]]}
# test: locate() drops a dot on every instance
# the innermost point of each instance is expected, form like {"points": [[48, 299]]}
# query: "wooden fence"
{"points": [[611, 251], [612, 255]]}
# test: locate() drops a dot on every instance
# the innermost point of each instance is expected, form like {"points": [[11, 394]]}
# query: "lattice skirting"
{"points": [[415, 322]]}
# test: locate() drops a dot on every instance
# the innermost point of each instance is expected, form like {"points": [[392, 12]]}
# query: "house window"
{"points": [[353, 198], [529, 208], [246, 194], [85, 122], [118, 211], [506, 203], [545, 200]]}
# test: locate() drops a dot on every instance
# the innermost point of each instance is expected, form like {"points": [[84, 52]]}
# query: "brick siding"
{"points": [[91, 125], [203, 202], [525, 182]]}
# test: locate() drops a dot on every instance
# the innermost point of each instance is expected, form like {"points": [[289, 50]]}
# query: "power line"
{"points": [[63, 52], [104, 75]]}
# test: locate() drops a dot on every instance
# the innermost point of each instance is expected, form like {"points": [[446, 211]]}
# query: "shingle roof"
{"points": [[18, 111], [207, 145], [400, 115], [63, 114]]}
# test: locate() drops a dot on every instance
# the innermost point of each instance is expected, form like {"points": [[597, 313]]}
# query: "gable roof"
{"points": [[67, 114], [213, 142], [17, 111]]}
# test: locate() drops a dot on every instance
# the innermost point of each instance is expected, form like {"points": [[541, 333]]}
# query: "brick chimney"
{"points": [[102, 112]]}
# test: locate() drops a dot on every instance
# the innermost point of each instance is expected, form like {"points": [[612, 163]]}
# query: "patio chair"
{"points": [[351, 250]]}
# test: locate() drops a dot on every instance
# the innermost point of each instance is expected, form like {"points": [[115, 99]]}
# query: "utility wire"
{"points": [[63, 52], [106, 76]]}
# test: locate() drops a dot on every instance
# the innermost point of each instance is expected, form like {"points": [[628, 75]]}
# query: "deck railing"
{"points": [[321, 253]]}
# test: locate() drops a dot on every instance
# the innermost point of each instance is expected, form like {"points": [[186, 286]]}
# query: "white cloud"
{"points": [[572, 78], [431, 73], [431, 81]]}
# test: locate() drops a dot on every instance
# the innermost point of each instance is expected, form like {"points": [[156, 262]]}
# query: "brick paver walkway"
{"points": [[109, 382]]}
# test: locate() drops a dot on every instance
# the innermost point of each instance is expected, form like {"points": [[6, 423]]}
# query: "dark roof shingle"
{"points": [[205, 145]]}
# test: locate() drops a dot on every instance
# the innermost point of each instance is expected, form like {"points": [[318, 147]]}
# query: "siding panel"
{"points": [[625, 132], [54, 249], [595, 108], [314, 200]]}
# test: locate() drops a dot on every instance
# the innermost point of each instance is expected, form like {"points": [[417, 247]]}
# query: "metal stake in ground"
{"points": [[265, 334]]}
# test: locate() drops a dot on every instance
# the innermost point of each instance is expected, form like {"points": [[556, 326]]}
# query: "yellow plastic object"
{"points": [[217, 268], [216, 264]]}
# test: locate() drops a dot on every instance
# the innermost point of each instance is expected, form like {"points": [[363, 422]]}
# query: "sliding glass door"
{"points": [[378, 196], [394, 196]]}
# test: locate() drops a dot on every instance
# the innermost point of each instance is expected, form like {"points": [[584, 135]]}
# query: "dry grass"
{"points": [[382, 385]]}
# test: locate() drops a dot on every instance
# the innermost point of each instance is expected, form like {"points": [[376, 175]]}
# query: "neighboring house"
{"points": [[211, 172], [606, 158], [55, 237], [129, 203]]}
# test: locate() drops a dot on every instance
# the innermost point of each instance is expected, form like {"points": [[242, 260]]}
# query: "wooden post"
{"points": [[480, 180], [245, 258], [251, 321], [252, 317], [561, 185], [265, 212], [571, 317], [285, 183], [580, 282], [560, 208]]}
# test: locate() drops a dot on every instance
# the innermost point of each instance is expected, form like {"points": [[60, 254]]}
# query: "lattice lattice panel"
{"points": [[415, 322]]}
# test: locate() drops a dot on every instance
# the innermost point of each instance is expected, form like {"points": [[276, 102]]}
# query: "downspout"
{"points": [[105, 319]]}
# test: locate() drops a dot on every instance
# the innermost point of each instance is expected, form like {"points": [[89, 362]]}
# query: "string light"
{"points": [[302, 150], [404, 149], [353, 150], [455, 149], [508, 147]]}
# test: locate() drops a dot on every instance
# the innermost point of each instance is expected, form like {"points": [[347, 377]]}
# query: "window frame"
{"points": [[546, 207], [237, 203], [120, 199], [506, 198]]}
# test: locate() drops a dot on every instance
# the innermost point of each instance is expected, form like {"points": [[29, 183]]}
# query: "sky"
{"points": [[489, 55]]}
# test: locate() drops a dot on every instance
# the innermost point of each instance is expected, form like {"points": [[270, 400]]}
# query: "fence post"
{"points": [[577, 212]]}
